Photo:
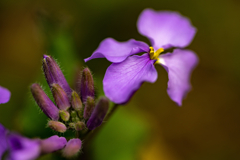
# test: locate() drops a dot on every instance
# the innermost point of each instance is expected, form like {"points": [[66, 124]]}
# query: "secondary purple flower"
{"points": [[4, 95], [165, 30], [3, 141], [18, 147], [21, 148]]}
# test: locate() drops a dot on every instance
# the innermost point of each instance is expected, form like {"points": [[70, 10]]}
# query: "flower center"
{"points": [[154, 55]]}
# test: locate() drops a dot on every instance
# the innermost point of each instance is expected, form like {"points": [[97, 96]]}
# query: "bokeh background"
{"points": [[150, 126]]}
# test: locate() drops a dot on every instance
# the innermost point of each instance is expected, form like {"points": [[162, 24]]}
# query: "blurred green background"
{"points": [[150, 126]]}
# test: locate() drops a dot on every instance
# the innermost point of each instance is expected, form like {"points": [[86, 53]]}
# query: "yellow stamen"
{"points": [[154, 55], [157, 61], [158, 52], [151, 52]]}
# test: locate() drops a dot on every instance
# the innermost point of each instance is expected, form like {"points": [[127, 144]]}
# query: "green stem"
{"points": [[111, 112]]}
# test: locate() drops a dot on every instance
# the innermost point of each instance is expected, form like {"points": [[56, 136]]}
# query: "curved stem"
{"points": [[111, 112]]}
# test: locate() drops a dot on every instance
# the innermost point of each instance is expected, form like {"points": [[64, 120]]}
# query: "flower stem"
{"points": [[111, 112]]}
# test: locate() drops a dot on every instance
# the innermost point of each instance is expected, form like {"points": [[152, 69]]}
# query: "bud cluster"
{"points": [[72, 110]]}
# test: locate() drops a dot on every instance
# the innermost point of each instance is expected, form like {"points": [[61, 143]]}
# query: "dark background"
{"points": [[151, 126]]}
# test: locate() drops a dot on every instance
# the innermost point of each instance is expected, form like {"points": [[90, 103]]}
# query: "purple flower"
{"points": [[4, 95], [3, 141], [18, 147], [21, 148], [165, 30]]}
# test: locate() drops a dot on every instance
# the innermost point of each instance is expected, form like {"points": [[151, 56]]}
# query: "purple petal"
{"points": [[166, 29], [116, 51], [4, 95], [52, 144], [179, 66], [123, 79], [23, 148], [3, 140]]}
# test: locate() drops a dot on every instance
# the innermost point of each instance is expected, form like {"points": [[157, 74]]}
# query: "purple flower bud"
{"points": [[52, 144], [79, 126], [86, 84], [46, 70], [98, 114], [54, 74], [72, 148], [60, 97], [57, 126], [64, 115], [46, 105], [89, 106]]}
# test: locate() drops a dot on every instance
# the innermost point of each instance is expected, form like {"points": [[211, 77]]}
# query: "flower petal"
{"points": [[179, 66], [4, 95], [166, 29], [22, 148], [3, 141], [115, 51], [121, 80]]}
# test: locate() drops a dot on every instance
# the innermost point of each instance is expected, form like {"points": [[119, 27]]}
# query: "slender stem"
{"points": [[111, 112]]}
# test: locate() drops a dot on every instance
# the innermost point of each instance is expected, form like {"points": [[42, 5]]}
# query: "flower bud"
{"points": [[46, 105], [52, 144], [98, 114], [60, 97], [57, 126], [64, 115], [77, 104], [74, 116], [54, 74], [71, 125], [86, 84], [79, 126], [72, 148], [89, 106]]}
